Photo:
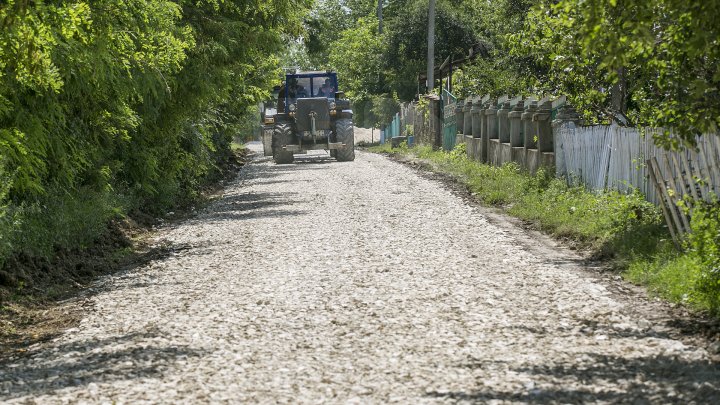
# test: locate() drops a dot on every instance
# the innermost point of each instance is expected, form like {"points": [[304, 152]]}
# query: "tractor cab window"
{"points": [[324, 86], [299, 88]]}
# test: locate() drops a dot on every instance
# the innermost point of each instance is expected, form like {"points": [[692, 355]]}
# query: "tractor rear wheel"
{"points": [[282, 135], [345, 135]]}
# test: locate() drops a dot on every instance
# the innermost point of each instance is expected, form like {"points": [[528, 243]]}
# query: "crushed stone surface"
{"points": [[359, 282]]}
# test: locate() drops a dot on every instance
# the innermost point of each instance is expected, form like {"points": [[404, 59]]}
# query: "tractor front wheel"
{"points": [[282, 135], [345, 135]]}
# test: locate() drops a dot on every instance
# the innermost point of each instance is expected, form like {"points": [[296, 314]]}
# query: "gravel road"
{"points": [[360, 282]]}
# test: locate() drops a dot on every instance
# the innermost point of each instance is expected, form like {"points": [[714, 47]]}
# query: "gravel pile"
{"points": [[367, 135], [360, 282]]}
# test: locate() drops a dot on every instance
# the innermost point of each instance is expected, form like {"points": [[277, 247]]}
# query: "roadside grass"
{"points": [[624, 230], [237, 146], [60, 221], [692, 275], [61, 240]]}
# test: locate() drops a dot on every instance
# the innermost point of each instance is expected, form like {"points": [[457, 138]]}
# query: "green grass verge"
{"points": [[623, 229], [59, 221], [237, 146]]}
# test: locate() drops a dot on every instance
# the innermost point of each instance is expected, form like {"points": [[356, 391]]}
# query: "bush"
{"points": [[690, 276], [58, 221], [703, 245], [109, 106], [459, 152], [7, 217]]}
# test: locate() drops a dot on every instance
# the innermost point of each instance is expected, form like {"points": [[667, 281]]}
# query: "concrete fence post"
{"points": [[459, 116], [484, 132], [491, 120], [543, 127], [504, 122], [491, 130], [517, 138], [467, 117], [475, 131], [483, 119], [529, 127], [475, 126], [566, 114]]}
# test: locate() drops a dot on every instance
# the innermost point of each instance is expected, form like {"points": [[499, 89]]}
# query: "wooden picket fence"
{"points": [[613, 157], [689, 173]]}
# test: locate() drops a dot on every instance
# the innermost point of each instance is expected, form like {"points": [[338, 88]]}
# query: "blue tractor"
{"points": [[311, 115]]}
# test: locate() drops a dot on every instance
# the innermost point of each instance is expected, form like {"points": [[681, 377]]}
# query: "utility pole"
{"points": [[431, 47], [380, 17]]}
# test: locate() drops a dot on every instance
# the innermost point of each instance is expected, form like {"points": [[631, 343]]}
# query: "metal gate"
{"points": [[449, 124]]}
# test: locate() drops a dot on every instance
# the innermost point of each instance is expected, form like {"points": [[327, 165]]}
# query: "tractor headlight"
{"points": [[292, 107]]}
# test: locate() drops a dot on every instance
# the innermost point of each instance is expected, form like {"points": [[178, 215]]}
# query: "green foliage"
{"points": [[356, 56], [383, 148], [8, 220], [384, 109], [328, 20], [497, 71], [376, 68], [703, 243], [693, 275], [132, 98], [655, 61], [672, 275], [459, 152], [405, 55], [63, 221], [295, 55]]}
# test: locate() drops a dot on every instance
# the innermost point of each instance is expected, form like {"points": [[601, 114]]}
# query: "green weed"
{"points": [[59, 221], [672, 276], [237, 146]]}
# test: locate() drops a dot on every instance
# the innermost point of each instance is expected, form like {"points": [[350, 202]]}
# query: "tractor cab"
{"points": [[307, 85]]}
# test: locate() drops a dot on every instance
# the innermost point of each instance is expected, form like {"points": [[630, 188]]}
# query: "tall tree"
{"points": [[660, 59], [406, 43], [118, 104], [328, 19]]}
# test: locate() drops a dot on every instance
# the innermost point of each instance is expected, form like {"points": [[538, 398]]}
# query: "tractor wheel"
{"points": [[333, 153], [282, 135], [344, 133]]}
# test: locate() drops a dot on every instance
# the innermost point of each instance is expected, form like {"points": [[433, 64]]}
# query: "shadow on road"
{"points": [[264, 172], [626, 380], [91, 361], [252, 206]]}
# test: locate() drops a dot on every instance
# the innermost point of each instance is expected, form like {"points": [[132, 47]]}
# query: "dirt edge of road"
{"points": [[56, 301], [672, 320]]}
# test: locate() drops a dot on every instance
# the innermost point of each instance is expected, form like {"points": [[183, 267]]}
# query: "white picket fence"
{"points": [[613, 157]]}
